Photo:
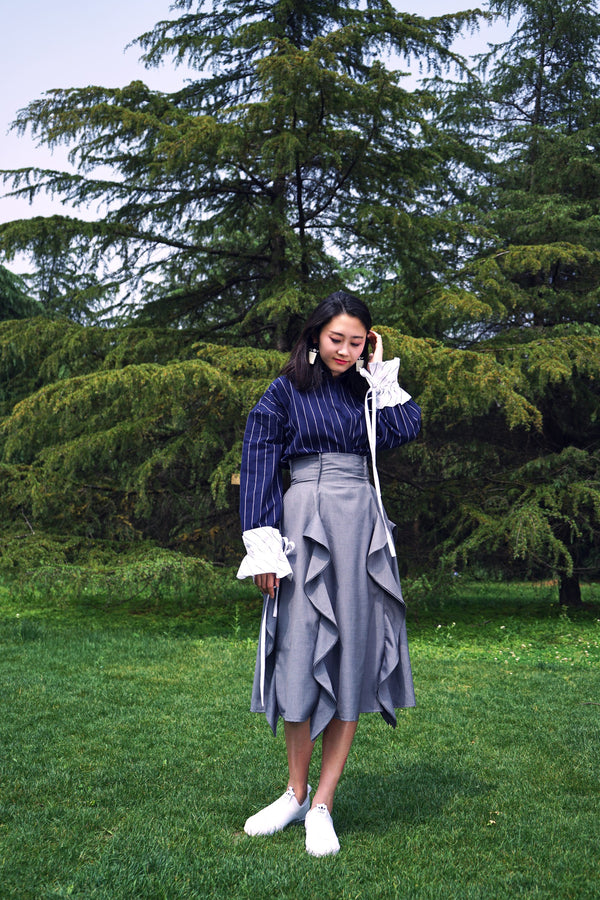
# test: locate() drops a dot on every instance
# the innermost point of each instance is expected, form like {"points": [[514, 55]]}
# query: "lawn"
{"points": [[130, 761]]}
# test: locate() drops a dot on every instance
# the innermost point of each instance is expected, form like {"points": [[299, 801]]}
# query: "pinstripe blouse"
{"points": [[287, 423]]}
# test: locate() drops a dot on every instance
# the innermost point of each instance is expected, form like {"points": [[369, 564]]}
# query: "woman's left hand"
{"points": [[376, 347], [267, 583]]}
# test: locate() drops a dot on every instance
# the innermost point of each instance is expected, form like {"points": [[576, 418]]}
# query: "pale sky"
{"points": [[74, 43]]}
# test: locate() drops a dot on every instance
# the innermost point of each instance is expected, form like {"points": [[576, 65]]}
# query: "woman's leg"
{"points": [[321, 839], [295, 803], [337, 741], [299, 751]]}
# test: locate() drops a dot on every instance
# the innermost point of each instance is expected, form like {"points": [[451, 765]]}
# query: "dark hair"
{"points": [[306, 377]]}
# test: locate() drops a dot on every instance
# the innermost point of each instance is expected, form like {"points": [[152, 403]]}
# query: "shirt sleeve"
{"points": [[261, 486], [266, 551], [398, 416]]}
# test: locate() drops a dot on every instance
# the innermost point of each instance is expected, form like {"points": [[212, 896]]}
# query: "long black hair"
{"points": [[306, 377]]}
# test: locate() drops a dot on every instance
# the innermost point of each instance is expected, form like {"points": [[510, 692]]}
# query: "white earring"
{"points": [[360, 363], [312, 356]]}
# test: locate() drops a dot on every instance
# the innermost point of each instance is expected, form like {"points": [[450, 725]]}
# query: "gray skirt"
{"points": [[333, 643]]}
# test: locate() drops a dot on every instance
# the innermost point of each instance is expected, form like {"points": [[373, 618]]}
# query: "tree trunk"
{"points": [[569, 591]]}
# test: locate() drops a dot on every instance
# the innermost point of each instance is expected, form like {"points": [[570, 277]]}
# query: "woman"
{"points": [[333, 636]]}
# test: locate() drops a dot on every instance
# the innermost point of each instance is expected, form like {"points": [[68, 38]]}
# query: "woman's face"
{"points": [[341, 342]]}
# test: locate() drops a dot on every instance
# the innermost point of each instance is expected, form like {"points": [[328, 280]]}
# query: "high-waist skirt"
{"points": [[333, 643]]}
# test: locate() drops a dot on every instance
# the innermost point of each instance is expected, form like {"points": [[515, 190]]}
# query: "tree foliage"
{"points": [[134, 433], [15, 302], [122, 434], [528, 293], [292, 162]]}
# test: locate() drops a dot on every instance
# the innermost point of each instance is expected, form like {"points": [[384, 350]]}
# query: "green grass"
{"points": [[129, 760]]}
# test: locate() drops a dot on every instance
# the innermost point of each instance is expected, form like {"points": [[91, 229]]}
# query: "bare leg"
{"points": [[291, 806], [299, 751], [321, 839], [337, 740]]}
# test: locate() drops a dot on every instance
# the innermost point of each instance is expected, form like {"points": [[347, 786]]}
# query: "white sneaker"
{"points": [[321, 839], [279, 814]]}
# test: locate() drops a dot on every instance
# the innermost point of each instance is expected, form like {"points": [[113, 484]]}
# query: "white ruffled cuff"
{"points": [[267, 551], [383, 378]]}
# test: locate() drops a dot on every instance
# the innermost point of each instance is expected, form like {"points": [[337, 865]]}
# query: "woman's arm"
{"points": [[399, 417], [261, 493]]}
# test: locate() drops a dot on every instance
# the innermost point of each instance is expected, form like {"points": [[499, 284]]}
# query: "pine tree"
{"points": [[295, 162], [528, 298]]}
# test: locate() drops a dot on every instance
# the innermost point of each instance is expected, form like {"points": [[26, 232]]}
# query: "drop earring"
{"points": [[360, 362], [312, 356]]}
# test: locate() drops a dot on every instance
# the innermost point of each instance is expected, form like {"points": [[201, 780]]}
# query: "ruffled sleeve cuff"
{"points": [[383, 378], [266, 552]]}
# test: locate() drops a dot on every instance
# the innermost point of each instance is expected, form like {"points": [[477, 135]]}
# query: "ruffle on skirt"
{"points": [[334, 642]]}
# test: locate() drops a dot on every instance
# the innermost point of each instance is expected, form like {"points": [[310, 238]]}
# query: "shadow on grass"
{"points": [[417, 794], [483, 602]]}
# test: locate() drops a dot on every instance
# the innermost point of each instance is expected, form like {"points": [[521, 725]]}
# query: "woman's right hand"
{"points": [[376, 343], [266, 583]]}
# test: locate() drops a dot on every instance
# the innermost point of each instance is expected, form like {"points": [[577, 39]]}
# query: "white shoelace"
{"points": [[371, 420]]}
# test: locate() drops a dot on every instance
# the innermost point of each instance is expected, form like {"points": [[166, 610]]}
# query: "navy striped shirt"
{"points": [[287, 423]]}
